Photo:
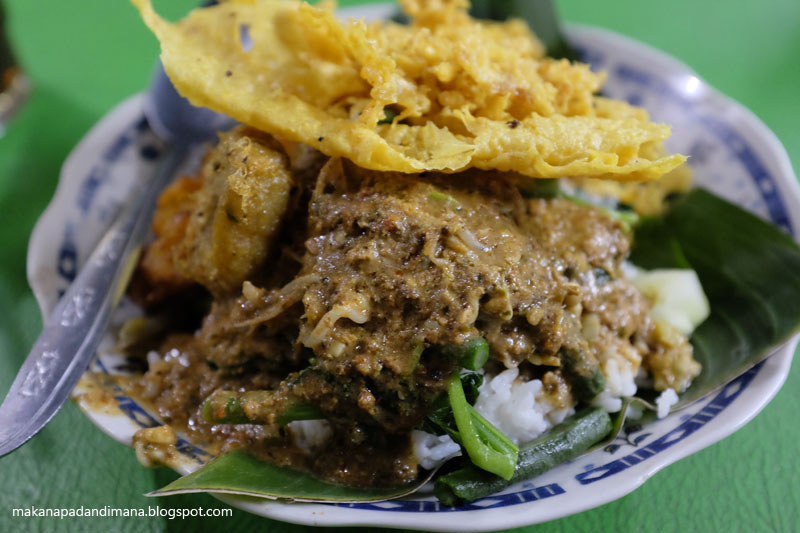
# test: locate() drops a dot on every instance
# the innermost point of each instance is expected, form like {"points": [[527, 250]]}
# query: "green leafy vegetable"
{"points": [[487, 447], [239, 473], [564, 442], [750, 272], [440, 420], [471, 381]]}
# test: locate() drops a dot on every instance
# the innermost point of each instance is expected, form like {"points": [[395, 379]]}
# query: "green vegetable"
{"points": [[474, 353], [540, 15], [299, 411], [563, 443], [750, 272], [239, 473], [539, 188], [416, 354], [255, 407], [440, 420], [445, 198], [628, 218], [471, 381], [583, 372], [224, 407], [487, 447], [388, 116]]}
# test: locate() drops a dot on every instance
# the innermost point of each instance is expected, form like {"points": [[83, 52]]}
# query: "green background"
{"points": [[84, 56]]}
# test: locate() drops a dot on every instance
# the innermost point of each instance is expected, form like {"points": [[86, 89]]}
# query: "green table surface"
{"points": [[85, 56]]}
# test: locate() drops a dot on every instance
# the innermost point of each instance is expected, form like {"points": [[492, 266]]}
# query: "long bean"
{"points": [[256, 407], [474, 353], [583, 372], [563, 443]]}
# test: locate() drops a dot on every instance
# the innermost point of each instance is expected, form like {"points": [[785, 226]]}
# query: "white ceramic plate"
{"points": [[732, 153]]}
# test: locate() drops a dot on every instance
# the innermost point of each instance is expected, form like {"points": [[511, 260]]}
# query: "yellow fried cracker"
{"points": [[463, 93]]}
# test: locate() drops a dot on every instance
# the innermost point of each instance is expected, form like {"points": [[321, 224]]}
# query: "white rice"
{"points": [[620, 383], [153, 357], [665, 400], [310, 435], [432, 450], [518, 409]]}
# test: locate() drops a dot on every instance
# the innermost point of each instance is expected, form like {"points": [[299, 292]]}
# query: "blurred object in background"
{"points": [[13, 83]]}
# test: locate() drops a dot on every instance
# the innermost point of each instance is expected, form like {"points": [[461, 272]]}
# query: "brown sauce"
{"points": [[370, 277]]}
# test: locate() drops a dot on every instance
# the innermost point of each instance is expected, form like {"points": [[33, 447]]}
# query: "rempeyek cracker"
{"points": [[445, 93]]}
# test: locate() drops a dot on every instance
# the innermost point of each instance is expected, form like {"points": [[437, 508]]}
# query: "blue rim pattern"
{"points": [[132, 139], [723, 399], [728, 136]]}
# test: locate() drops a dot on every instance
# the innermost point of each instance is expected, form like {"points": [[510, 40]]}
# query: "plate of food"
{"points": [[422, 282]]}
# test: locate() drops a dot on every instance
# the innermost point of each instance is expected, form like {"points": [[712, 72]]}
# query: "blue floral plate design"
{"points": [[732, 153]]}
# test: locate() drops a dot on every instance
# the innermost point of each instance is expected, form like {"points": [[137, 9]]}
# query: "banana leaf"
{"points": [[750, 272], [240, 473]]}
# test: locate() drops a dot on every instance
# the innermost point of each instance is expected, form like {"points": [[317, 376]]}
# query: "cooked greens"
{"points": [[563, 443], [488, 448]]}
